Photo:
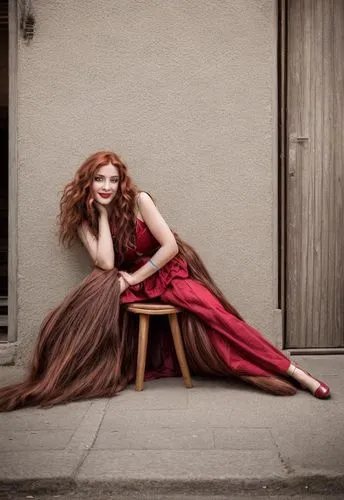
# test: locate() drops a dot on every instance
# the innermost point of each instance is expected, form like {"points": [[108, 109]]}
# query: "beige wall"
{"points": [[184, 91]]}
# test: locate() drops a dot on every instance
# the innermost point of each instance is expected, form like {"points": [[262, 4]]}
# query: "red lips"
{"points": [[105, 195]]}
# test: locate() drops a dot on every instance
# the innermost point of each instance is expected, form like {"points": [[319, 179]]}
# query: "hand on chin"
{"points": [[101, 207]]}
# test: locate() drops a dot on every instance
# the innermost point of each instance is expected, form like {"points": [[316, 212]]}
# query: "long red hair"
{"points": [[76, 204]]}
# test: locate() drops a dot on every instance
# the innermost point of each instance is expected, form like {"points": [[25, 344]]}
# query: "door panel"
{"points": [[314, 174]]}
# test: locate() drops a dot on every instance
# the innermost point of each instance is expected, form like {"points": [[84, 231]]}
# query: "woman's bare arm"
{"points": [[161, 232], [101, 250]]}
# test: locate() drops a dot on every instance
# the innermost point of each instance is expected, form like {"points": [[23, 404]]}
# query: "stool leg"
{"points": [[178, 344], [142, 351]]}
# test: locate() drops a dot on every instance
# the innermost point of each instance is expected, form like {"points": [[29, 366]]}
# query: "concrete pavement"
{"points": [[221, 437]]}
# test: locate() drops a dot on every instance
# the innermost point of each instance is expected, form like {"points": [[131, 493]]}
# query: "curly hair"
{"points": [[76, 204]]}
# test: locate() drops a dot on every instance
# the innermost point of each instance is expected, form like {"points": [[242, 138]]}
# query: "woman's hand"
{"points": [[123, 284], [128, 278], [100, 208]]}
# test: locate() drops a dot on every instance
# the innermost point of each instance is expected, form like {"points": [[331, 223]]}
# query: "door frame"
{"points": [[282, 143]]}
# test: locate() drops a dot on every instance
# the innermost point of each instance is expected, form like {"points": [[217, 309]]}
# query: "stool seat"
{"points": [[151, 308], [145, 310]]}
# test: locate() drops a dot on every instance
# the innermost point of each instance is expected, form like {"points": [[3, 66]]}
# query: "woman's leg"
{"points": [[317, 388], [243, 348]]}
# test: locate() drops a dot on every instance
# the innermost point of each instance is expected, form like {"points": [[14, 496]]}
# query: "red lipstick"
{"points": [[105, 195]]}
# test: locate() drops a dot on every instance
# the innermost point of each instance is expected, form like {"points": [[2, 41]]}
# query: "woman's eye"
{"points": [[99, 178]]}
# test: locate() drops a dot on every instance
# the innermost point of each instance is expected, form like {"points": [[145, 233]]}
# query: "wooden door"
{"points": [[314, 174]]}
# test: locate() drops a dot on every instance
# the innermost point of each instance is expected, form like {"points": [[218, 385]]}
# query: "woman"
{"points": [[87, 346]]}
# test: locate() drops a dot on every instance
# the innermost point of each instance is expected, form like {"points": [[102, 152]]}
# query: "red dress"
{"points": [[87, 345], [244, 350]]}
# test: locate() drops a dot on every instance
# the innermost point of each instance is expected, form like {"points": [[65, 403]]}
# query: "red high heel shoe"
{"points": [[322, 392]]}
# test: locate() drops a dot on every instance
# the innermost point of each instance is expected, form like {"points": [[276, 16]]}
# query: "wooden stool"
{"points": [[145, 310]]}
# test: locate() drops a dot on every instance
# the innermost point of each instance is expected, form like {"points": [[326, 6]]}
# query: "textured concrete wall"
{"points": [[183, 91]]}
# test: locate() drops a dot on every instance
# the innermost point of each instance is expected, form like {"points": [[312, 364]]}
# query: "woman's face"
{"points": [[105, 184]]}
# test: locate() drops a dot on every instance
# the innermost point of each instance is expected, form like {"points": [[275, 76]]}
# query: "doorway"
{"points": [[314, 175]]}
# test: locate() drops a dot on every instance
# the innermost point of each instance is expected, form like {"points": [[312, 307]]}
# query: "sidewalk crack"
{"points": [[86, 450], [77, 428], [287, 468]]}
